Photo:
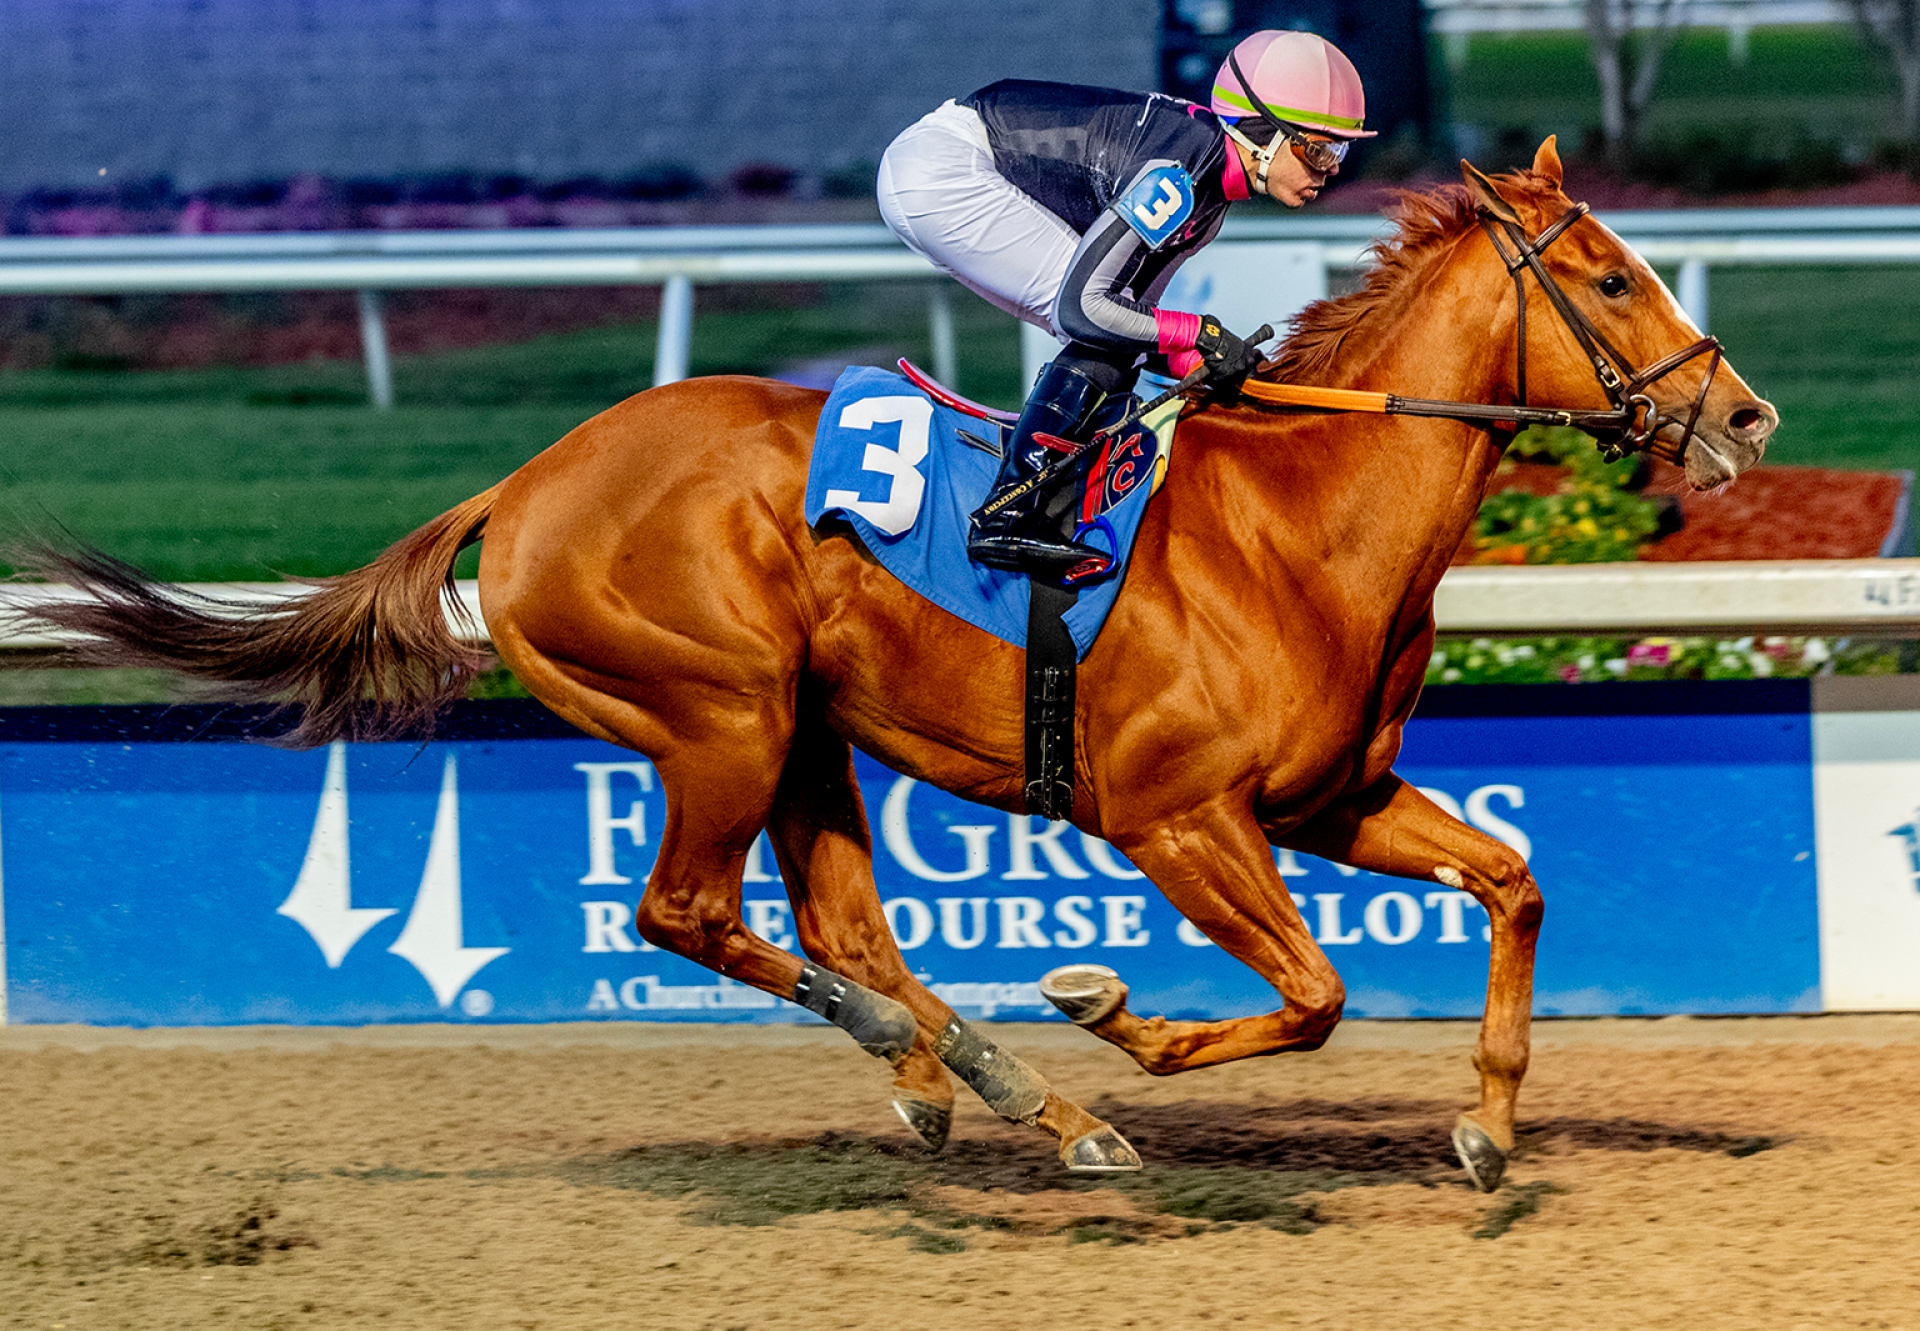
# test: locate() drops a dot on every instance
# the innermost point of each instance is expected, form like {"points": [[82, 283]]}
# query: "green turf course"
{"points": [[1816, 80], [242, 474], [231, 474], [1837, 350]]}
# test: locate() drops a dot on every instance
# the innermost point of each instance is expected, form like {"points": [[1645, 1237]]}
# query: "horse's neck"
{"points": [[1386, 501], [1448, 336]]}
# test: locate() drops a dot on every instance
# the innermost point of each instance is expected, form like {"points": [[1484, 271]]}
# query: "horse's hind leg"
{"points": [[729, 746], [719, 766], [822, 840], [717, 802], [820, 836]]}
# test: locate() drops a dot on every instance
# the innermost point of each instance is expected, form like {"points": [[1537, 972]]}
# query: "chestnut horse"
{"points": [[651, 579]]}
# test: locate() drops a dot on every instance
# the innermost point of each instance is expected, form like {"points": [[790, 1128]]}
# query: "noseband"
{"points": [[1635, 420]]}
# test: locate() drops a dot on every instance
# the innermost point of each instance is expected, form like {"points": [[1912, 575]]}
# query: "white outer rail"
{"points": [[677, 258], [1825, 596], [1834, 597], [673, 258], [396, 271]]}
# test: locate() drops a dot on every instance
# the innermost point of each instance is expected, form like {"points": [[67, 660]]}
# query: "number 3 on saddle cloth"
{"points": [[894, 464]]}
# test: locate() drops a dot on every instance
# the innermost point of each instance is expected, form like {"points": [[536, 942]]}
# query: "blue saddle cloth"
{"points": [[888, 459]]}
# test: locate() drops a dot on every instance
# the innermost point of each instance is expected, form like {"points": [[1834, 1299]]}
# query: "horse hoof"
{"points": [[1086, 993], [1485, 1163], [1102, 1151], [930, 1121]]}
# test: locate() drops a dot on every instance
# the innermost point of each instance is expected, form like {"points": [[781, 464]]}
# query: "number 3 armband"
{"points": [[1158, 204]]}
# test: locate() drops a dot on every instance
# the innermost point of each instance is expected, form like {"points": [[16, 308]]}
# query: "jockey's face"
{"points": [[1289, 180]]}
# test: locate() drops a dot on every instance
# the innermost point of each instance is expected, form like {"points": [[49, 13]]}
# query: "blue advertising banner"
{"points": [[158, 873]]}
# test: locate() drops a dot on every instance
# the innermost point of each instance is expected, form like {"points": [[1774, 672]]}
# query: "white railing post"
{"points": [[672, 349], [373, 349], [946, 366], [1693, 291]]}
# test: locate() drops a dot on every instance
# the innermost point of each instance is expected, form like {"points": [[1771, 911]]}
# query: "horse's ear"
{"points": [[1546, 162], [1487, 194]]}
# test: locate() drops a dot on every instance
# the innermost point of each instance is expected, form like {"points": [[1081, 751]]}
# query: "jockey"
{"points": [[1070, 207]]}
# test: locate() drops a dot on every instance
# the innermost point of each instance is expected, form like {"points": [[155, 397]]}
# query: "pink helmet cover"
{"points": [[1302, 78]]}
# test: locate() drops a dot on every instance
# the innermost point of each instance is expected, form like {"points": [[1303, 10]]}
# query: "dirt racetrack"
{"points": [[1676, 1173]]}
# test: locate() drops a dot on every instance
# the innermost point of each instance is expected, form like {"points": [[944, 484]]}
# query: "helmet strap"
{"points": [[1262, 157], [1260, 108]]}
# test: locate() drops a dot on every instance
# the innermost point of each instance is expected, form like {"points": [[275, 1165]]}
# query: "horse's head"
{"points": [[1614, 319]]}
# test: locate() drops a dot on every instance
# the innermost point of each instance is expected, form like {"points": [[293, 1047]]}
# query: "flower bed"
{"points": [[1555, 501], [1596, 660]]}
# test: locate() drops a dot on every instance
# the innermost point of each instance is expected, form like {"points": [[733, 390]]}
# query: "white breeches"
{"points": [[940, 193]]}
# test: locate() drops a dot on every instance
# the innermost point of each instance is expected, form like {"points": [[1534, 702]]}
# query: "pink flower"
{"points": [[1649, 654], [1570, 673]]}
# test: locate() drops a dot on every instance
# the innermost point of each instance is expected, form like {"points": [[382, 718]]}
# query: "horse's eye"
{"points": [[1613, 285]]}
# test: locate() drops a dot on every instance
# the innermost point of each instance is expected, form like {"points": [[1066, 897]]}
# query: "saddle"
{"points": [[904, 461], [1092, 480]]}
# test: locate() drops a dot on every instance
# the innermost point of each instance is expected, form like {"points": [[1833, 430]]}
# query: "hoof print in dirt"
{"points": [[1518, 1202]]}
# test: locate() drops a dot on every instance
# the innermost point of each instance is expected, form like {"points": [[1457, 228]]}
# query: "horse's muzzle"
{"points": [[1722, 449]]}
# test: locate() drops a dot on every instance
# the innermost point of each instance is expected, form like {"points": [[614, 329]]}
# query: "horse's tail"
{"points": [[366, 655]]}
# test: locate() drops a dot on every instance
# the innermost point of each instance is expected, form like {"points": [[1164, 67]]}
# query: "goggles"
{"points": [[1322, 155]]}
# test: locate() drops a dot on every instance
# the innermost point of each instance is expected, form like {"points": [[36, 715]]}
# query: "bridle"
{"points": [[1631, 424], [1635, 419]]}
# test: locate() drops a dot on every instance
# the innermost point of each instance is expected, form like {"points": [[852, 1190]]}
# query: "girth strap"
{"points": [[1051, 664]]}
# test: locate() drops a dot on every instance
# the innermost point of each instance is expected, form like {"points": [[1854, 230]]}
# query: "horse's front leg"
{"points": [[1214, 864], [1392, 828]]}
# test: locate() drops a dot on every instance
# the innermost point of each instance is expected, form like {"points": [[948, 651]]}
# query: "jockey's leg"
{"points": [[941, 193], [1017, 527]]}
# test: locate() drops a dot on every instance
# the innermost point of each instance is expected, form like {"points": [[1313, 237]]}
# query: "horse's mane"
{"points": [[1428, 221]]}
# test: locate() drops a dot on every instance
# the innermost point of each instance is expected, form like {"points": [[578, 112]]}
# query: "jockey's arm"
{"points": [[1095, 307]]}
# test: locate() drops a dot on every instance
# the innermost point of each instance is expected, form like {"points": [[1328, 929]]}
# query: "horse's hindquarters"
{"points": [[643, 575]]}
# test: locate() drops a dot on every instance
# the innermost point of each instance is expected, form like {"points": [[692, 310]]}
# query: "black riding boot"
{"points": [[1012, 529]]}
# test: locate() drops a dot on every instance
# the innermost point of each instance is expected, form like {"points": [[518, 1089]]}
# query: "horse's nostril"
{"points": [[1747, 418]]}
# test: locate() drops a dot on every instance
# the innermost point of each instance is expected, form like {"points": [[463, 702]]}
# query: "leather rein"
{"points": [[1631, 424]]}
